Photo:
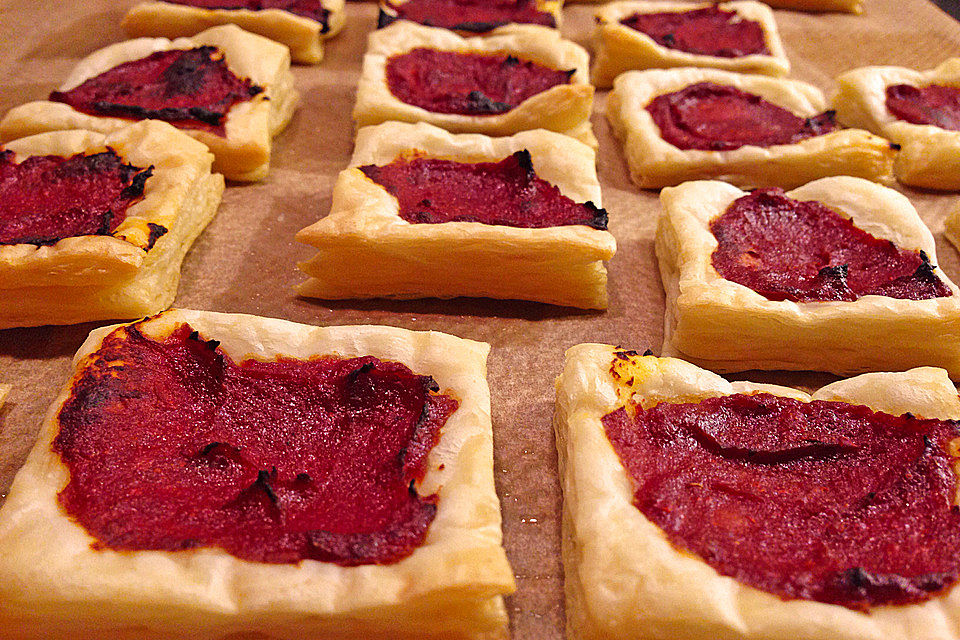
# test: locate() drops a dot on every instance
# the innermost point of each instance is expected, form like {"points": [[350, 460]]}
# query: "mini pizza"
{"points": [[229, 89], [425, 213], [918, 110], [302, 25], [645, 34], [750, 130], [94, 226], [205, 475], [468, 17], [519, 77], [698, 508], [838, 275]]}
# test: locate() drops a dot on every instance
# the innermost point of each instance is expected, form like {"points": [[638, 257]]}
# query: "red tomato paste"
{"points": [[172, 445], [312, 9], [717, 117], [467, 83], [190, 88], [708, 32], [508, 193], [47, 198], [477, 16], [785, 249], [934, 104], [824, 501]]}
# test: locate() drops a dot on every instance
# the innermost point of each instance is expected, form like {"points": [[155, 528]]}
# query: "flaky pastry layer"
{"points": [[655, 163], [53, 584], [367, 250], [624, 580], [243, 153]]}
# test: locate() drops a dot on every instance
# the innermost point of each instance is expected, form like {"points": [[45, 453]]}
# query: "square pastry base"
{"points": [[625, 580], [367, 250], [55, 584], [726, 326]]}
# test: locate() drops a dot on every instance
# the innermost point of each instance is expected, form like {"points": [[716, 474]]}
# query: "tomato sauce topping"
{"points": [[172, 445], [47, 198], [716, 117], [709, 32], [476, 16], [507, 192], [787, 249], [191, 88], [824, 501], [472, 84], [934, 104], [312, 9]]}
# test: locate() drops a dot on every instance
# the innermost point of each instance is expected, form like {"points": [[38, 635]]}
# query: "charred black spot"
{"points": [[478, 102], [137, 182], [385, 19], [511, 61], [895, 146], [600, 217], [525, 161], [648, 352], [156, 231], [359, 371]]}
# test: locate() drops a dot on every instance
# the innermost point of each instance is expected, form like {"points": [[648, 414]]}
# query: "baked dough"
{"points": [[302, 35], [618, 48], [846, 6], [655, 163], [87, 278], [563, 108], [626, 581], [243, 154], [367, 250], [929, 156], [388, 13], [873, 333], [52, 584]]}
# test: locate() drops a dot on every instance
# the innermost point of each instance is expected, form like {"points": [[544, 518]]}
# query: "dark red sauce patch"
{"points": [[190, 88], [709, 31], [467, 83], [477, 16], [934, 104], [823, 501], [786, 249], [47, 198], [508, 193], [312, 9], [172, 445], [717, 117]]}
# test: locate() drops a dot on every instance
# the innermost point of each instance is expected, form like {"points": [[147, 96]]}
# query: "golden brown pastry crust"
{"points": [[368, 250], [618, 48], [302, 35], [53, 584], [655, 163], [929, 156], [243, 154], [873, 333], [563, 108], [118, 276], [626, 581]]}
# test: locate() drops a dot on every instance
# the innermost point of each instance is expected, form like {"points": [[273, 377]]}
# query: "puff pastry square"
{"points": [[243, 153], [564, 108], [367, 250], [54, 584], [726, 326], [619, 48], [655, 163], [625, 580], [929, 156], [302, 35], [133, 272]]}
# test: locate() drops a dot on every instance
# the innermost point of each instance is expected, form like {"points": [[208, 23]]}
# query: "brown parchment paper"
{"points": [[245, 260]]}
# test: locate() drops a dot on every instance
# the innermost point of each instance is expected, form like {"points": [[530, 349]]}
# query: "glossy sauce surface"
{"points": [[824, 501], [709, 31], [507, 192], [477, 16], [716, 117], [935, 104], [190, 88], [172, 445], [44, 199], [467, 83], [786, 249]]}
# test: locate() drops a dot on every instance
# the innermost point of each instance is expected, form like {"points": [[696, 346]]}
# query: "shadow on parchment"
{"points": [[81, 37]]}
